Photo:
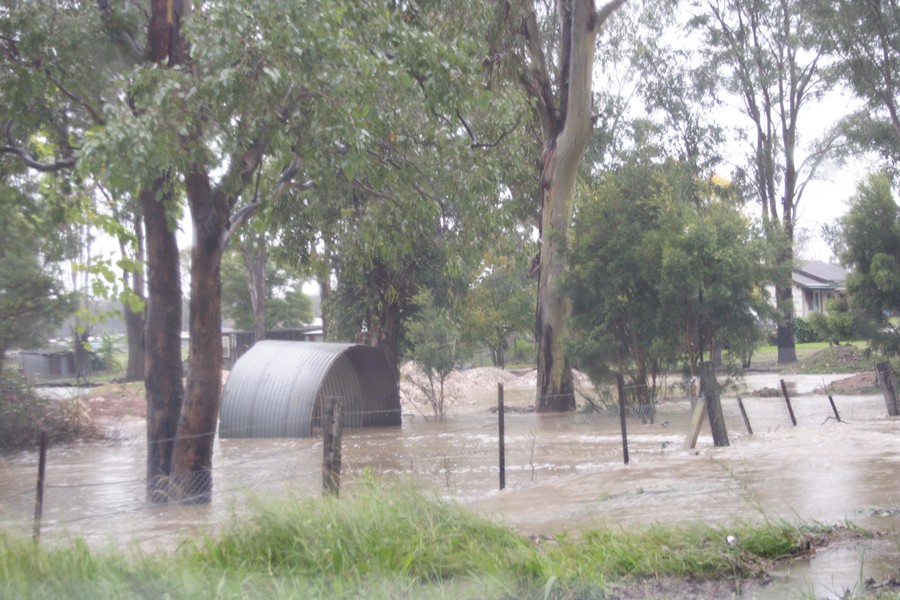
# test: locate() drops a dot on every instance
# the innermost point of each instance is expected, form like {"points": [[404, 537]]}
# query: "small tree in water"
{"points": [[436, 345]]}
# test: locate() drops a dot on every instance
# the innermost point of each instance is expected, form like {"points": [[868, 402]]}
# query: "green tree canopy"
{"points": [[411, 206], [659, 278], [500, 302], [32, 296], [286, 304], [863, 37], [871, 239]]}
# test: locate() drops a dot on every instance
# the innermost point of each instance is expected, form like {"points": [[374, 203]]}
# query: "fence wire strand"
{"points": [[458, 458]]}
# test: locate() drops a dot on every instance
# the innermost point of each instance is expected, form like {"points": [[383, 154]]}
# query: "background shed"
{"points": [[277, 389]]}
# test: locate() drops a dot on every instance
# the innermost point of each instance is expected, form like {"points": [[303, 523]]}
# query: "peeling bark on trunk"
{"points": [[566, 129], [556, 391], [163, 369]]}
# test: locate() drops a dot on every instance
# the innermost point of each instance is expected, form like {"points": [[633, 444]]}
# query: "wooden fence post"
{"points": [[501, 433], [744, 414], [696, 422], [332, 425], [834, 409], [886, 379], [787, 400], [620, 384], [39, 499], [710, 388]]}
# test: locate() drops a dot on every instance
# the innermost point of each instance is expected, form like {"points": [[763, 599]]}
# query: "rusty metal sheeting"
{"points": [[277, 389]]}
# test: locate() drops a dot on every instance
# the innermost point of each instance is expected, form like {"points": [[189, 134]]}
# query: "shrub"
{"points": [[838, 323], [23, 414], [808, 330]]}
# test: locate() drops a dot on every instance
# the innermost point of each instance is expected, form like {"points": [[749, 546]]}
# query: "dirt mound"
{"points": [[485, 378], [861, 383], [117, 401], [528, 380]]}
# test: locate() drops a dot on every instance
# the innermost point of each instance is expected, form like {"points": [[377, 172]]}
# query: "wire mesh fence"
{"points": [[99, 491]]}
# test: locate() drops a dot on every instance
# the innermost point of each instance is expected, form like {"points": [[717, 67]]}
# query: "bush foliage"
{"points": [[24, 414]]}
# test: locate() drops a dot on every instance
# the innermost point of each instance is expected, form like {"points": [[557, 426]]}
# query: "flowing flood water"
{"points": [[562, 474]]}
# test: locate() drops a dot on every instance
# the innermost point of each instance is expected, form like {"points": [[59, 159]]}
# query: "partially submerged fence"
{"points": [[457, 458]]}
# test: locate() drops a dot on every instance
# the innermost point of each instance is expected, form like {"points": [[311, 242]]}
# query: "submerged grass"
{"points": [[695, 552], [380, 531], [391, 541]]}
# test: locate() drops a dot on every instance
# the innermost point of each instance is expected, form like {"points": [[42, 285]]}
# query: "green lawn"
{"points": [[767, 356]]}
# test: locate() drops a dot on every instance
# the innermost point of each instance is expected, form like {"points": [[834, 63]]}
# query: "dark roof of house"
{"points": [[813, 274]]}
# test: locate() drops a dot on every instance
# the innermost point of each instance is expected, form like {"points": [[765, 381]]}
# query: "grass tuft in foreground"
{"points": [[377, 531], [387, 542]]}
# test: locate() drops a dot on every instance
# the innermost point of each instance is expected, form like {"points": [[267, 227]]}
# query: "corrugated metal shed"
{"points": [[277, 389]]}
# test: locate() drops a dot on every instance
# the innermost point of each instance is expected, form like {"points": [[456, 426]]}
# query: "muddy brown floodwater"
{"points": [[563, 474]]}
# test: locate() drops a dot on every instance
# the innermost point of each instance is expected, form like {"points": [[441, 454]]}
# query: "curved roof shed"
{"points": [[278, 387]]}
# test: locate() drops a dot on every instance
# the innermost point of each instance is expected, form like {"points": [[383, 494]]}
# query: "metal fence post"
{"points": [[787, 400], [620, 385], [502, 434], [39, 500]]}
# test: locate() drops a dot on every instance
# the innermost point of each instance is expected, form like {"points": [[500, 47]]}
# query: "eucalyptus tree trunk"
{"points": [[164, 371], [162, 341], [134, 331], [563, 106], [324, 297], [784, 306], [191, 475], [323, 278]]}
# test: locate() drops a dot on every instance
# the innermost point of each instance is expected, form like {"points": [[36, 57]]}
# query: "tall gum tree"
{"points": [[163, 368], [158, 140], [562, 102], [770, 60], [213, 218], [285, 84], [61, 64], [864, 38], [162, 338]]}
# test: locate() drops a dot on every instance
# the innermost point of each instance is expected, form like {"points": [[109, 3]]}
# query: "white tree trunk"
{"points": [[566, 127]]}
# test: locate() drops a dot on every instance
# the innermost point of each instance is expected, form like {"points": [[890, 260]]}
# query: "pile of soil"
{"points": [[859, 384], [116, 401], [474, 390]]}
